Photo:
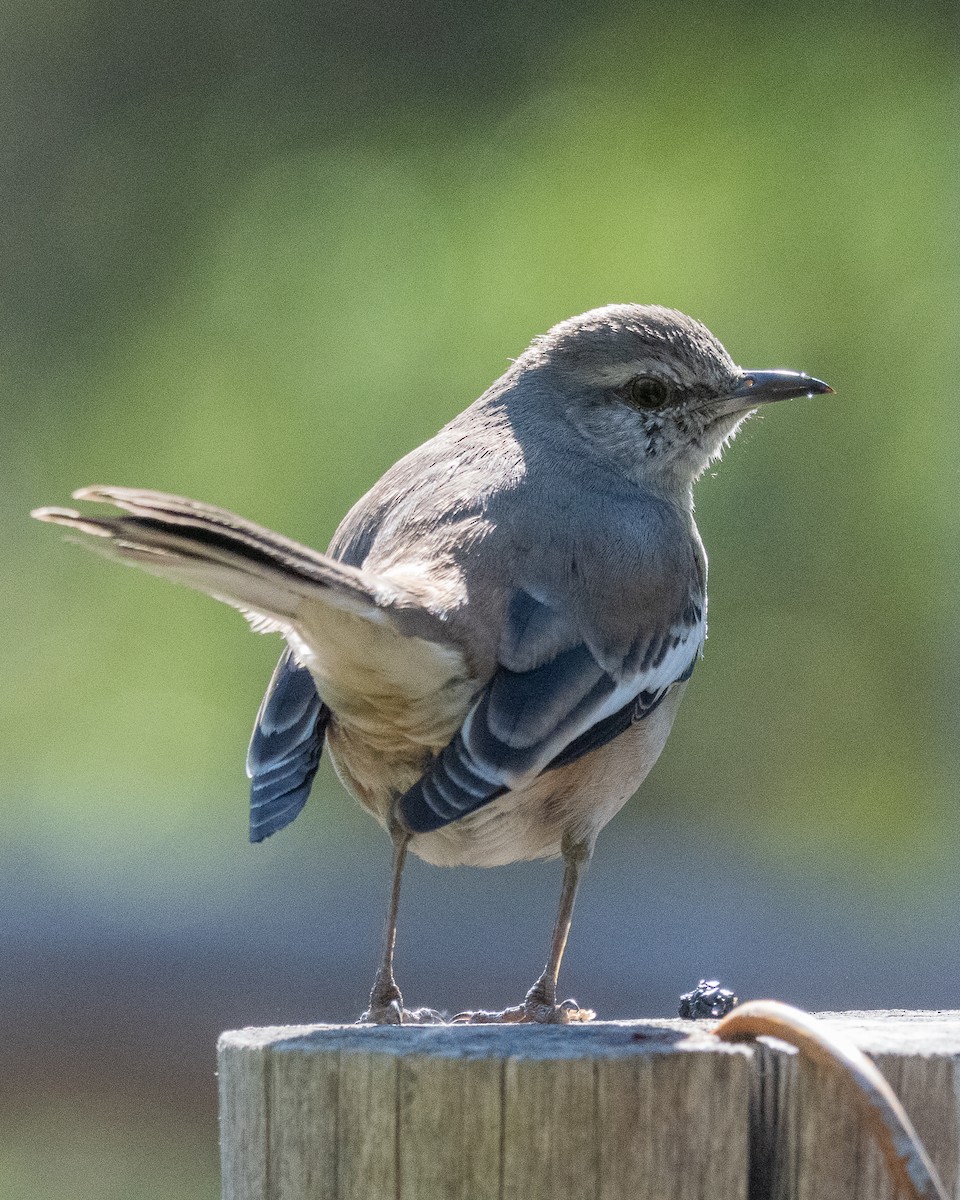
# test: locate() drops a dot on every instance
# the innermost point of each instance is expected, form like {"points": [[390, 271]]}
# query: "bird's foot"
{"points": [[538, 1008], [386, 1008], [395, 1014]]}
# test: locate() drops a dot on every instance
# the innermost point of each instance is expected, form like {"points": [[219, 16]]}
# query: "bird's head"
{"points": [[652, 389]]}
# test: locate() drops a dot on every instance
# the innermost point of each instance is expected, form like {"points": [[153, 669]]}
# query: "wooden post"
{"points": [[809, 1142], [618, 1110]]}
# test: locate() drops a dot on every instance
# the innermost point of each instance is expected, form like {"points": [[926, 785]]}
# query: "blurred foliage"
{"points": [[78, 1151], [255, 259]]}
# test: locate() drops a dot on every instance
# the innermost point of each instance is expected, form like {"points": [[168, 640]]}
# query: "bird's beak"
{"points": [[764, 387]]}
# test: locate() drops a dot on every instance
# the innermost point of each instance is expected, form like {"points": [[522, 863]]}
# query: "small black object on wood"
{"points": [[707, 1001]]}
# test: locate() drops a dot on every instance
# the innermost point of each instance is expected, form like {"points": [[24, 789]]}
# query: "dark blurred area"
{"points": [[256, 254]]}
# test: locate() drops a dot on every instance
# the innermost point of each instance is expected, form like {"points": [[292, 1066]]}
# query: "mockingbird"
{"points": [[494, 647]]}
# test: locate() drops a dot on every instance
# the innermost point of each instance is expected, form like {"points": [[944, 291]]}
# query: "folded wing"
{"points": [[552, 700], [285, 748]]}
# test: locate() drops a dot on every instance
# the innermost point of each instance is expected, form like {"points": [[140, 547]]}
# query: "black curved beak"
{"points": [[764, 387]]}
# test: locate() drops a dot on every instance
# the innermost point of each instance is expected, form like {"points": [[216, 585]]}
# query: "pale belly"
{"points": [[574, 801]]}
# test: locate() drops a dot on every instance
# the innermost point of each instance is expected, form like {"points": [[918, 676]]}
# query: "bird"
{"points": [[495, 644]]}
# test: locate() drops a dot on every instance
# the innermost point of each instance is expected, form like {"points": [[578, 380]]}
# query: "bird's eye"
{"points": [[645, 392]]}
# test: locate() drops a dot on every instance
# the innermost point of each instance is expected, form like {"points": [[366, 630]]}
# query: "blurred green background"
{"points": [[254, 254]]}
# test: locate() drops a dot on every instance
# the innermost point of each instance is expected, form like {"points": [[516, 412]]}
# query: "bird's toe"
{"points": [[389, 1013], [423, 1016], [535, 1010], [393, 1013], [568, 1012]]}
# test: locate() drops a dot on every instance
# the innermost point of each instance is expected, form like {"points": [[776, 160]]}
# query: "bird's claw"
{"points": [[423, 1016], [386, 1008], [536, 1009], [394, 1013], [482, 1016]]}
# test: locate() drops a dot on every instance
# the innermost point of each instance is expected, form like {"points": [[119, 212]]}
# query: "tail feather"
{"points": [[220, 553], [371, 646]]}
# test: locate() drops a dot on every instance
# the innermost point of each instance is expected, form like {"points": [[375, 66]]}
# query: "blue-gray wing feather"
{"points": [[526, 721], [619, 722], [285, 748]]}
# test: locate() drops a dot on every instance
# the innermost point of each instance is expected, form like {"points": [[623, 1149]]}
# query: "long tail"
{"points": [[214, 551], [360, 635]]}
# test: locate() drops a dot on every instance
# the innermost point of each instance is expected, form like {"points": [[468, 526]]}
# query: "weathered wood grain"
{"points": [[483, 1113], [652, 1110], [815, 1146], [673, 1124]]}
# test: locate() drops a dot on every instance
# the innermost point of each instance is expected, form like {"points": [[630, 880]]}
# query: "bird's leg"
{"points": [[386, 1002], [540, 1003]]}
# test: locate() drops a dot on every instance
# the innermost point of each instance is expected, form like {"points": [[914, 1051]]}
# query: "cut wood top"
{"points": [[882, 1031]]}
